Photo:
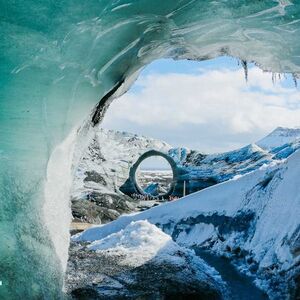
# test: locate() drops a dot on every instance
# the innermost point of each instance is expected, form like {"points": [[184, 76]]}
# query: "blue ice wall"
{"points": [[59, 58]]}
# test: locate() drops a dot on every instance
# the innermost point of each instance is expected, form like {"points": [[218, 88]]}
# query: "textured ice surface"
{"points": [[58, 58]]}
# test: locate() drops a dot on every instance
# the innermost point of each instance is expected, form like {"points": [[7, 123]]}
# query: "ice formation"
{"points": [[58, 58]]}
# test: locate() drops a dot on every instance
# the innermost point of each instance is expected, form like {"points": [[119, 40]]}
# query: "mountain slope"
{"points": [[106, 159], [279, 137], [254, 220]]}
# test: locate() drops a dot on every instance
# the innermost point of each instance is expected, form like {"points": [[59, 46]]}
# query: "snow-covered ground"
{"points": [[136, 253], [140, 242], [253, 219]]}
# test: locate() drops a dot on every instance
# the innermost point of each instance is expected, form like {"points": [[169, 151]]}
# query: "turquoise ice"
{"points": [[59, 58]]}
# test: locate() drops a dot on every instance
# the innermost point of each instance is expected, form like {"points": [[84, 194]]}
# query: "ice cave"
{"points": [[62, 65]]}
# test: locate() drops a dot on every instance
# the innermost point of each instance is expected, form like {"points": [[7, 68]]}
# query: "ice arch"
{"points": [[144, 156], [58, 58]]}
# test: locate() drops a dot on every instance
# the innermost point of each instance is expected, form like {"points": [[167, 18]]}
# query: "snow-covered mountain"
{"points": [[106, 160], [250, 215], [203, 170], [279, 137], [253, 220]]}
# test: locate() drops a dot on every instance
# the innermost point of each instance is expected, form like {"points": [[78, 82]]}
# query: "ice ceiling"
{"points": [[58, 59]]}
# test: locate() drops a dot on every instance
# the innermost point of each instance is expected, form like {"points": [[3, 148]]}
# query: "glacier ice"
{"points": [[58, 58]]}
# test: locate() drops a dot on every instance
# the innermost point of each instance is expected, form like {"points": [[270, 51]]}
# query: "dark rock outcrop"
{"points": [[93, 275]]}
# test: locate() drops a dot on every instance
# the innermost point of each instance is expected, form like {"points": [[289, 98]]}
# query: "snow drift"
{"points": [[137, 252]]}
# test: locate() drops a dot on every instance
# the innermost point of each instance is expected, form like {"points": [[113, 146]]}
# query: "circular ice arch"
{"points": [[143, 157]]}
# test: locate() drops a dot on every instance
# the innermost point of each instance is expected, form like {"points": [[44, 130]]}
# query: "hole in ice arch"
{"points": [[154, 174], [206, 105]]}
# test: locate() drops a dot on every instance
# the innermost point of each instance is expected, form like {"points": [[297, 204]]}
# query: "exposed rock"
{"points": [[101, 208], [119, 202], [90, 212], [95, 177]]}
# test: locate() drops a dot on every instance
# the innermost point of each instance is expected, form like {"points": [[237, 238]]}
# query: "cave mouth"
{"points": [[154, 175]]}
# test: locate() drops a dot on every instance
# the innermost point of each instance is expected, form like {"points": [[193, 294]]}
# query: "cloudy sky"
{"points": [[205, 105]]}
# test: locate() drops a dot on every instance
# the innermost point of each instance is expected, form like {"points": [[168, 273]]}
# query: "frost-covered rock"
{"points": [[253, 219], [139, 261]]}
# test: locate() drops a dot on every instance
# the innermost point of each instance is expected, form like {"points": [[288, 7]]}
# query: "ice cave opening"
{"points": [[63, 57], [128, 165]]}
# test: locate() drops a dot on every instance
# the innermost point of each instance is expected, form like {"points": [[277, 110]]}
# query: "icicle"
{"points": [[245, 67], [273, 78], [294, 76]]}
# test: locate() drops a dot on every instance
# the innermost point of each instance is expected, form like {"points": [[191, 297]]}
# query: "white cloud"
{"points": [[217, 107]]}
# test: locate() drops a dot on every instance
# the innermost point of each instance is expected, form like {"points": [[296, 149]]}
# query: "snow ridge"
{"points": [[279, 137]]}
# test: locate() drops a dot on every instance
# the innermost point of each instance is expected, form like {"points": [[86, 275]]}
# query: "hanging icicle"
{"points": [[294, 76], [245, 67]]}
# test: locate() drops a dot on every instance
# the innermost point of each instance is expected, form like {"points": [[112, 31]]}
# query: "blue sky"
{"points": [[205, 105]]}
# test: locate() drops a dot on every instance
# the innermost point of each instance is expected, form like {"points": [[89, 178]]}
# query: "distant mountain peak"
{"points": [[278, 137]]}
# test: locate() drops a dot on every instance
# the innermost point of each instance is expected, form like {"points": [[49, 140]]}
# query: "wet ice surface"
{"points": [[240, 286]]}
